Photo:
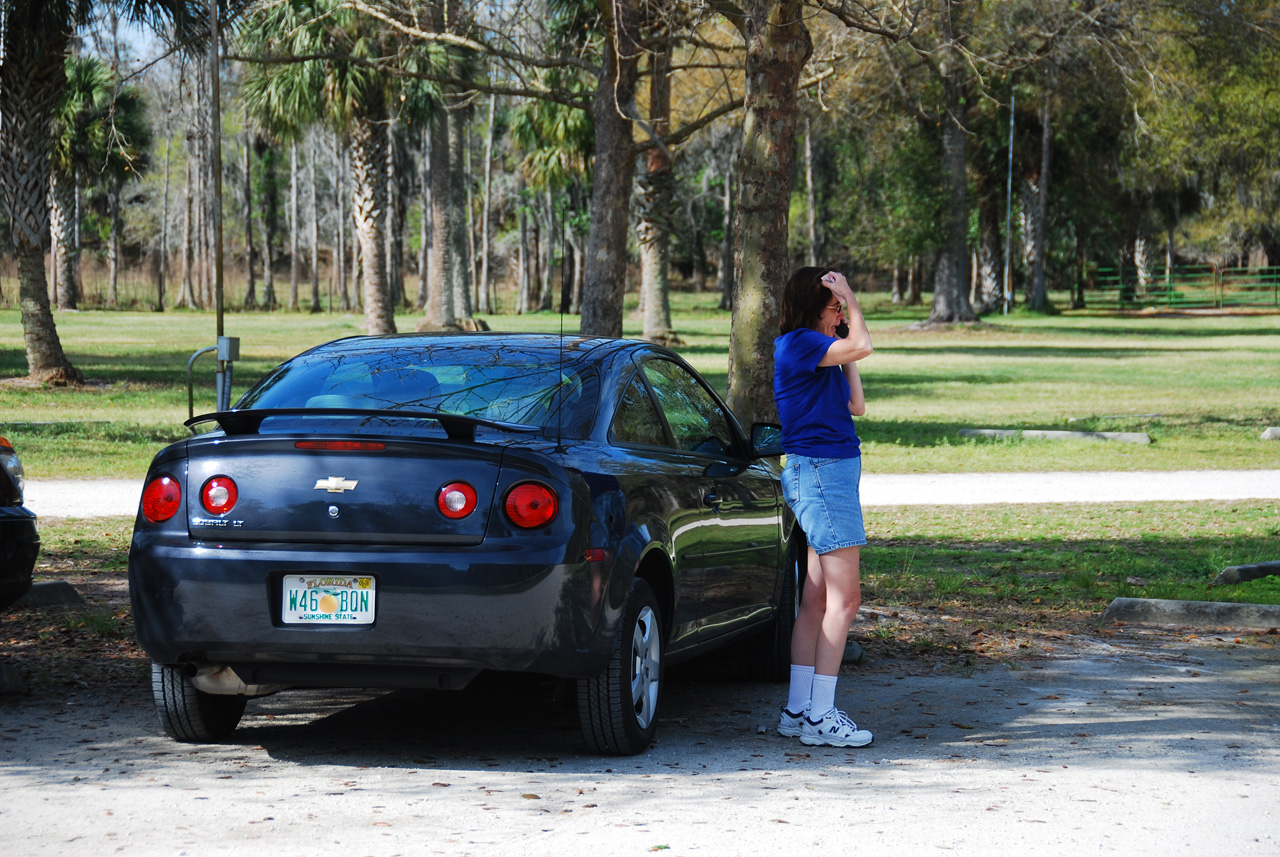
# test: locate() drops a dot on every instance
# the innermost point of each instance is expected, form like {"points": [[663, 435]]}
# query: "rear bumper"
{"points": [[440, 615], [19, 547]]}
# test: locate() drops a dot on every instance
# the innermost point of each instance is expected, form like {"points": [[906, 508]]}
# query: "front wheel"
{"points": [[187, 713], [618, 709]]}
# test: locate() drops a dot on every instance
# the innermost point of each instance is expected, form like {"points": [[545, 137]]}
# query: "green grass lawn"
{"points": [[1078, 555], [1202, 387]]}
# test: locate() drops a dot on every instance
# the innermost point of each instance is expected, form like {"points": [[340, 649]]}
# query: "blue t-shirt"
{"points": [[813, 400]]}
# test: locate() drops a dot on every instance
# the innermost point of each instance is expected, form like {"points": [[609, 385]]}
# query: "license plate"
{"points": [[313, 599]]}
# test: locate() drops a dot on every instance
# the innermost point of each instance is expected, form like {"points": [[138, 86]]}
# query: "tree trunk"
{"points": [[270, 226], [724, 277], [369, 204], [459, 259], [546, 279], [187, 299], [811, 195], [251, 287], [31, 81], [315, 229], [1039, 291], [606, 273], [293, 226], [62, 224], [439, 310], [340, 224], [895, 291], [485, 298], [114, 188], [778, 46], [522, 254], [655, 210], [395, 284], [951, 278], [468, 176], [163, 268], [914, 276], [424, 227]]}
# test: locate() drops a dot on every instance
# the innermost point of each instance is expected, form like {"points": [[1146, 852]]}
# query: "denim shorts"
{"points": [[823, 493]]}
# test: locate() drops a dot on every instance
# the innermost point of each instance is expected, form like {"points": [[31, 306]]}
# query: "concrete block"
{"points": [[1272, 433], [1244, 573], [1210, 614], [50, 593]]}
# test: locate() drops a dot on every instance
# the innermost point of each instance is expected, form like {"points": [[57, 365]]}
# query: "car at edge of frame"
{"points": [[19, 536], [412, 510]]}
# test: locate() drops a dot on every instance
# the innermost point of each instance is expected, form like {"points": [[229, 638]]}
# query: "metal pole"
{"points": [[1008, 212], [215, 131]]}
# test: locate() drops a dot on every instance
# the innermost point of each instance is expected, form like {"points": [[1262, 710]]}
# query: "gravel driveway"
{"points": [[1154, 741], [1145, 747]]}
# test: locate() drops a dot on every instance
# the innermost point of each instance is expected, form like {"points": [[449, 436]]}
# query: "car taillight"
{"points": [[11, 463], [218, 495], [341, 445], [530, 505], [161, 499], [456, 500]]}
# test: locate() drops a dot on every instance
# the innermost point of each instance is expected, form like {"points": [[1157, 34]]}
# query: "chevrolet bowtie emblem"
{"points": [[336, 484]]}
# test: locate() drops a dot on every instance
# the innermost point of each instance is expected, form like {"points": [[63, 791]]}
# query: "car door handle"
{"points": [[711, 500]]}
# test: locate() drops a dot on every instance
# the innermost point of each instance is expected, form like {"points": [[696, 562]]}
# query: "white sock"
{"points": [[824, 696], [801, 687]]}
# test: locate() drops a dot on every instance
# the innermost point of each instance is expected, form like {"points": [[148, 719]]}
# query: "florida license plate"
{"points": [[328, 600]]}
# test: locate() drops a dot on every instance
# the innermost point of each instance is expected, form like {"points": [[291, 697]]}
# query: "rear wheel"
{"points": [[618, 709], [191, 715]]}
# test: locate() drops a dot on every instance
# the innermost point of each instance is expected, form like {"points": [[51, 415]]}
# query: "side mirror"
{"points": [[766, 440]]}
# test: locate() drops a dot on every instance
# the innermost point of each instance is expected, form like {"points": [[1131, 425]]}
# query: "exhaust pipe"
{"points": [[222, 680]]}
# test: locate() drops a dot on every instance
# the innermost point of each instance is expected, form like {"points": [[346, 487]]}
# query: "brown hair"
{"points": [[803, 299]]}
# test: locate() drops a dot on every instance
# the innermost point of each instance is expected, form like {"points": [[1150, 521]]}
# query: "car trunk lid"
{"points": [[361, 495]]}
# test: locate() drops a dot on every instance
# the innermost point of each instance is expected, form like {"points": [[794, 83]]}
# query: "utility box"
{"points": [[228, 348]]}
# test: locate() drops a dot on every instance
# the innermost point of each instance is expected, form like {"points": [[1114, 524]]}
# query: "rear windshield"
{"points": [[474, 382]]}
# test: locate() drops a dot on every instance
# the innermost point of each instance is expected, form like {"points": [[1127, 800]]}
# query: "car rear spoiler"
{"points": [[249, 421]]}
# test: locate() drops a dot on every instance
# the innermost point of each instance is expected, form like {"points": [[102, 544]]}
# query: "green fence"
{"points": [[1189, 287]]}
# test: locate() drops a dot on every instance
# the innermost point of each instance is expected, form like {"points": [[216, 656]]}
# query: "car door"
{"points": [[741, 517], [663, 490]]}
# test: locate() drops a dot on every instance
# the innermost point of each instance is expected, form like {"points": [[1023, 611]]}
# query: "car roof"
{"points": [[539, 347]]}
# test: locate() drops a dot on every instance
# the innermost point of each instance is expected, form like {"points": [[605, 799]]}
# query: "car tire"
{"points": [[188, 714], [770, 657], [618, 709]]}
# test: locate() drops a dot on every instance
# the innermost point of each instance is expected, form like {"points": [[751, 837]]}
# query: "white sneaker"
{"points": [[789, 724], [835, 729]]}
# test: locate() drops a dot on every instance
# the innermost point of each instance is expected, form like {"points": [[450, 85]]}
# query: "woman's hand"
{"points": [[839, 287]]}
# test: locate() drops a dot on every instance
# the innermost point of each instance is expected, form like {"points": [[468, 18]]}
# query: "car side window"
{"points": [[637, 420], [697, 420]]}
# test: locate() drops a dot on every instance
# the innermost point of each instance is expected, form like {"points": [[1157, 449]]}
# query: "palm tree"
{"points": [[78, 142], [34, 37], [352, 96]]}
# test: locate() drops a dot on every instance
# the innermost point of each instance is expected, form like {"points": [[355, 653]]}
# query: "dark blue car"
{"points": [[411, 510]]}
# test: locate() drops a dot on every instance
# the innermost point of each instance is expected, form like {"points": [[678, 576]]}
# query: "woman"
{"points": [[818, 391]]}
